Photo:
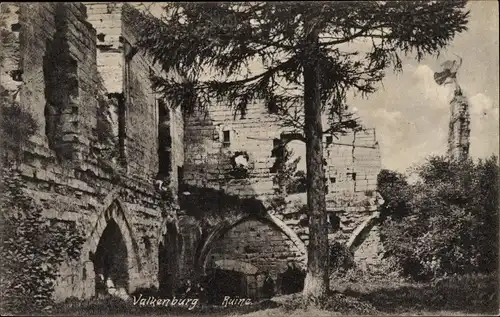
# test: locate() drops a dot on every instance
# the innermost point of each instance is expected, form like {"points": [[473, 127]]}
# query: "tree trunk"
{"points": [[316, 282]]}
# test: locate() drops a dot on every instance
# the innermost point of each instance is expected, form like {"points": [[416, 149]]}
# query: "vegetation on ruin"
{"points": [[32, 249], [17, 125], [285, 171], [447, 222], [306, 70], [341, 258]]}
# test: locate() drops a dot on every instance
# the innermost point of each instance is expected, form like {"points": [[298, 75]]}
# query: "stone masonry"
{"points": [[112, 159], [94, 158], [212, 140], [459, 126]]}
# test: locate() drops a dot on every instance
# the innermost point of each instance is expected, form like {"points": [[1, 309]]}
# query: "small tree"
{"points": [[306, 68]]}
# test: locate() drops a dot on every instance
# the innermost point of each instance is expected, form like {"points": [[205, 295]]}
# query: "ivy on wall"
{"points": [[17, 125], [31, 249]]}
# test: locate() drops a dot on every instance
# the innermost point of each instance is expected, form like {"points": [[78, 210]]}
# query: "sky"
{"points": [[410, 112]]}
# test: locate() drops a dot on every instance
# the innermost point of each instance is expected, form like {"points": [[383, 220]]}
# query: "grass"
{"points": [[464, 295]]}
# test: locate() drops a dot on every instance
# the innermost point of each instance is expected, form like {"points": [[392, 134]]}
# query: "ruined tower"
{"points": [[459, 130]]}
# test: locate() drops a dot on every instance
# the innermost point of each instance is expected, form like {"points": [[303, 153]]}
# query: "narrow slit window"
{"points": [[180, 177], [226, 138], [164, 140]]}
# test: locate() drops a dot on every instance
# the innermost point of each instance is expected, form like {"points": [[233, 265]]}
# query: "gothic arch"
{"points": [[116, 213], [265, 217]]}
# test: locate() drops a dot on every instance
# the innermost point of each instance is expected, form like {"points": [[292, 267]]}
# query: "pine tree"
{"points": [[307, 68]]}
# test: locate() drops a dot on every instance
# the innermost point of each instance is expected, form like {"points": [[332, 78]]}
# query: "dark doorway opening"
{"points": [[292, 280], [168, 262], [110, 261], [225, 283]]}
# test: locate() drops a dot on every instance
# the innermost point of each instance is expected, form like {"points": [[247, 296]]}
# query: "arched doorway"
{"points": [[168, 261], [271, 222], [248, 255], [111, 259]]}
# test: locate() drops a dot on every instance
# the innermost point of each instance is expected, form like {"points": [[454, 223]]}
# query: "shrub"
{"points": [[286, 172], [298, 183], [341, 258], [395, 190], [449, 221]]}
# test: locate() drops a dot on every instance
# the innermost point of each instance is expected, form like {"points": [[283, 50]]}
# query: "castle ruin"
{"points": [[157, 193]]}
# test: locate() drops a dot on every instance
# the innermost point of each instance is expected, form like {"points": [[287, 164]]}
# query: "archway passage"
{"points": [[168, 262], [111, 261], [257, 243]]}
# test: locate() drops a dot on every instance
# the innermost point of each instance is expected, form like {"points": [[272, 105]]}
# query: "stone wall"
{"points": [[146, 68], [106, 18], [126, 71], [208, 159], [353, 160], [254, 248], [257, 243], [73, 178], [369, 255], [215, 136], [11, 75], [94, 158]]}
